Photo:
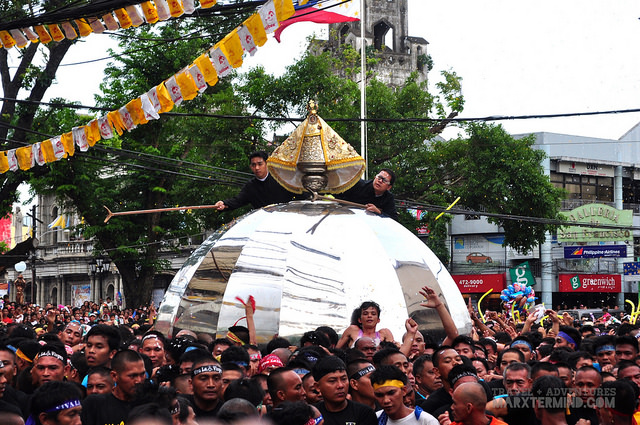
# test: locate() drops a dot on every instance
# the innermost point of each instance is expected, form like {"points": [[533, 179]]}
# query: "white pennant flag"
{"points": [[174, 90], [163, 9], [80, 138], [268, 15], [198, 78], [153, 98], [106, 131], [69, 31], [149, 110], [188, 6], [110, 22], [127, 120], [32, 36], [36, 154], [246, 39], [96, 25], [20, 39], [220, 62], [58, 147], [136, 19], [12, 159]]}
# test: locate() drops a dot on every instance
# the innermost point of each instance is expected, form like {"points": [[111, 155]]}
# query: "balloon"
{"points": [[20, 267]]}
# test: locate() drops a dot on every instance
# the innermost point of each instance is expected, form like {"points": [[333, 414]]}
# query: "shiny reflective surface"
{"points": [[308, 264]]}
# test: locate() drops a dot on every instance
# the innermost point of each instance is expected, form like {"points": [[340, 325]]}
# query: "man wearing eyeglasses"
{"points": [[375, 194]]}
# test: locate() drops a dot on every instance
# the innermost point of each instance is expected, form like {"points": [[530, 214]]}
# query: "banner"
{"points": [[598, 251], [522, 274], [590, 283], [596, 214], [80, 294], [472, 283], [632, 268]]}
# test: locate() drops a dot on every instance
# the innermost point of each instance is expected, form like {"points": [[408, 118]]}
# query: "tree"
{"points": [[96, 178]]}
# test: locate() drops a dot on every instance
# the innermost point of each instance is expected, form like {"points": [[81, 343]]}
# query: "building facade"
{"points": [[579, 265]]}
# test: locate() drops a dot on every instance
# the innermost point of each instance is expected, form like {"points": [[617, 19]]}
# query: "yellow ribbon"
{"points": [[479, 301]]}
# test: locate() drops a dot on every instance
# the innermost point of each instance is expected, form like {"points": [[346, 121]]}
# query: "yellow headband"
{"points": [[20, 354], [390, 383], [234, 338]]}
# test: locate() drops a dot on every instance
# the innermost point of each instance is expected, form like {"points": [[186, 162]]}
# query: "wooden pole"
{"points": [[114, 214]]}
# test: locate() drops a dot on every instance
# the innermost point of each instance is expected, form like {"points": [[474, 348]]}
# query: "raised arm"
{"points": [[433, 301]]}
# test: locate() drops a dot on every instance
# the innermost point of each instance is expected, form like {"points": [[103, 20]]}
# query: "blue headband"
{"points": [[565, 336], [521, 342], [607, 347], [64, 406]]}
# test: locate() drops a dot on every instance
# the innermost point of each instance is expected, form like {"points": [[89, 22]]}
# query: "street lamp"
{"points": [[99, 266]]}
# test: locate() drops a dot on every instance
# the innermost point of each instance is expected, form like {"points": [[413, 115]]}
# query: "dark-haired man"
{"points": [[102, 344], [260, 191], [285, 385], [375, 194], [50, 364], [128, 373], [331, 378], [206, 380]]}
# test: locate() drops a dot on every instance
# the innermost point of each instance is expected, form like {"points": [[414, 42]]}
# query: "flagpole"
{"points": [[363, 91]]}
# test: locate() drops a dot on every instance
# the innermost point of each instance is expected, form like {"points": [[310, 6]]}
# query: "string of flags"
{"points": [[186, 84]]}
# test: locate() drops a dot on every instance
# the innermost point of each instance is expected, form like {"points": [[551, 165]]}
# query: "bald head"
{"points": [[472, 393]]}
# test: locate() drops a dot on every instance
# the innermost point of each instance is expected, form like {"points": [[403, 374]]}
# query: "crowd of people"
{"points": [[100, 365]]}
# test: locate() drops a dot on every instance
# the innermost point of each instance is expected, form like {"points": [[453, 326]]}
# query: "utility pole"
{"points": [[34, 227]]}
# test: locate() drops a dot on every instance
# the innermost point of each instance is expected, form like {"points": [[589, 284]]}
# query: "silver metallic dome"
{"points": [[308, 264]]}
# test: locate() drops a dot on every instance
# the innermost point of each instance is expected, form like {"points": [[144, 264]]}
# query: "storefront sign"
{"points": [[586, 169], [598, 251], [522, 275], [472, 283], [596, 214], [590, 283]]}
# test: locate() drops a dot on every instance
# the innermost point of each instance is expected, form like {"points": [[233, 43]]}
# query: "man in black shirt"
{"points": [[128, 373], [260, 191], [331, 378], [206, 380], [374, 194]]}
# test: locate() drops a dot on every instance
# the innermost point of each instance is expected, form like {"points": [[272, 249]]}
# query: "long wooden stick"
{"points": [[341, 201], [114, 214]]}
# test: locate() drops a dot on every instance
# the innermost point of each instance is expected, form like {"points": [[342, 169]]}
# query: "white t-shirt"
{"points": [[410, 419]]}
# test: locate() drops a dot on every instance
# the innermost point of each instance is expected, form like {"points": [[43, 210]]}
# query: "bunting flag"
{"points": [[60, 222], [185, 85], [322, 12]]}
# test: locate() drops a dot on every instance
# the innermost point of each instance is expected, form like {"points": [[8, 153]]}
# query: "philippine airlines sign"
{"points": [[596, 214], [590, 283]]}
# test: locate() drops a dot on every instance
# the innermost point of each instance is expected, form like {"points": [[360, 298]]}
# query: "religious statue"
{"points": [[20, 284]]}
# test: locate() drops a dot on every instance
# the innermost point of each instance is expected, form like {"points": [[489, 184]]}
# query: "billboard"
{"points": [[590, 283], [472, 283], [596, 214]]}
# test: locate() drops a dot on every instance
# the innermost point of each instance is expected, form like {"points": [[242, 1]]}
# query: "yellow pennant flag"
{"points": [[67, 142], [43, 34], [123, 18], [205, 4], [115, 119], [135, 110], [150, 12], [166, 104], [256, 28], [4, 162], [175, 7], [93, 132], [56, 32], [187, 86], [284, 9], [47, 151], [83, 27], [203, 62], [232, 48], [24, 157], [7, 40]]}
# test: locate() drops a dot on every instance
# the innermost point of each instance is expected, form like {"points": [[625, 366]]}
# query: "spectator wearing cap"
{"points": [[206, 380], [25, 353], [269, 363], [284, 384], [331, 378], [50, 364]]}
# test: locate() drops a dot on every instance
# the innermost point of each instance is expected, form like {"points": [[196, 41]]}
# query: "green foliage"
{"points": [[3, 247]]}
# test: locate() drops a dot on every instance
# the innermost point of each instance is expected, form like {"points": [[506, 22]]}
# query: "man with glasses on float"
{"points": [[374, 194]]}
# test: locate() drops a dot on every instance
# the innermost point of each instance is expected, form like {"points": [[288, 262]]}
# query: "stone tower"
{"points": [[387, 31]]}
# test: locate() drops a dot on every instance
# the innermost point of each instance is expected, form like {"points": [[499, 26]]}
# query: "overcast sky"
{"points": [[515, 58]]}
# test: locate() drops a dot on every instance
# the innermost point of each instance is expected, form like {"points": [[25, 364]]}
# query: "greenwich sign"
{"points": [[596, 214]]}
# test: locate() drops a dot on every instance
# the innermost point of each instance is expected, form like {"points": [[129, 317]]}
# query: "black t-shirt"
{"points": [[520, 410], [260, 194], [436, 401], [362, 193], [16, 398], [104, 409], [353, 414], [200, 413], [577, 413]]}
